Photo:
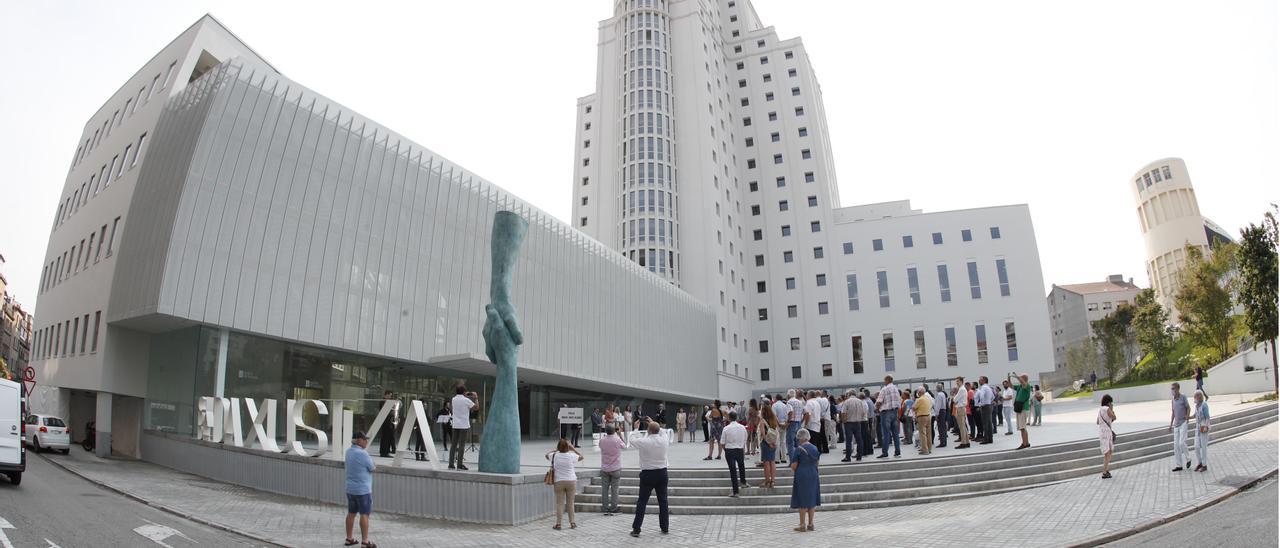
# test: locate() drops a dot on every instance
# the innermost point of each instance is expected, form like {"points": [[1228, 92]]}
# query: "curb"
{"points": [[1152, 524], [163, 508]]}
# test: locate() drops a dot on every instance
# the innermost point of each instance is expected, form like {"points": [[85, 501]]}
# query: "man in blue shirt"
{"points": [[359, 467]]}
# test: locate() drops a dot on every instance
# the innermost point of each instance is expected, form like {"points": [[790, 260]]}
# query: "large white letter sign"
{"points": [[260, 417], [322, 440], [416, 415]]}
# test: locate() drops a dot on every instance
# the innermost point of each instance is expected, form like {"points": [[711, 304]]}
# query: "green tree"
{"points": [[1256, 257], [4, 370], [1151, 330], [1204, 299], [1082, 359], [1114, 336]]}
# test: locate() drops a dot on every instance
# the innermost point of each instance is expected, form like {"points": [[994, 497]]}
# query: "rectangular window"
{"points": [[1011, 341], [921, 362], [97, 322], [790, 282], [817, 252], [877, 245], [824, 341], [907, 242], [757, 234], [749, 141], [791, 73], [995, 233], [975, 291], [792, 311], [966, 235], [75, 333], [760, 288], [815, 226], [795, 371], [913, 285], [857, 354], [823, 308], [808, 177], [128, 149], [803, 132], [813, 201], [882, 283], [805, 154], [795, 343], [786, 230], [944, 283], [777, 158], [764, 347], [111, 243], [101, 238], [1004, 277], [783, 204], [826, 370], [952, 360], [851, 282], [774, 137], [980, 334], [887, 341], [795, 91], [764, 374], [155, 84], [937, 238], [847, 247], [821, 280], [759, 260], [112, 169], [84, 334]]}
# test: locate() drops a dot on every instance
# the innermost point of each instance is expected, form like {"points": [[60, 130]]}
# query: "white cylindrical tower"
{"points": [[1169, 217]]}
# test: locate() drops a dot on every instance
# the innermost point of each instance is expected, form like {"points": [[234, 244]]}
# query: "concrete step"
{"points": [[849, 491], [961, 463]]}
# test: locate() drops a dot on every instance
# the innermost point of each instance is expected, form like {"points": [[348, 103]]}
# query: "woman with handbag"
{"points": [[563, 478], [1106, 436], [767, 427]]}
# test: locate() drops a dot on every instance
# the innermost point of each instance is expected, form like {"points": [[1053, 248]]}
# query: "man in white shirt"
{"points": [[734, 439], [795, 420], [887, 404], [941, 414], [962, 407], [653, 477], [782, 412], [460, 420], [1006, 396], [813, 418]]}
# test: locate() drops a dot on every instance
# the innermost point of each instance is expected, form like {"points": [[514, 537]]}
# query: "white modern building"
{"points": [[703, 156], [1074, 307], [1169, 217], [224, 231]]}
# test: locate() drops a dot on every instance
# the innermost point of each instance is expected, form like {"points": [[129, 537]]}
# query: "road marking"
{"points": [[51, 544], [4, 539], [159, 533]]}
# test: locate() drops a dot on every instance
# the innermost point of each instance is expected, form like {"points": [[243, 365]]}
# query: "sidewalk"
{"points": [[1075, 512]]}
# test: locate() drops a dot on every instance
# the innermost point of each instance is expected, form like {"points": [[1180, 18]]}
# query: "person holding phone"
{"points": [[1106, 435]]}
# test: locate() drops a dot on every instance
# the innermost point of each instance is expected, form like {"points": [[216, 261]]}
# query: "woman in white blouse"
{"points": [[564, 462]]}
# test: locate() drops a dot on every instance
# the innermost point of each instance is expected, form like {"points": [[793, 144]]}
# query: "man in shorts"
{"points": [[1022, 407], [359, 468]]}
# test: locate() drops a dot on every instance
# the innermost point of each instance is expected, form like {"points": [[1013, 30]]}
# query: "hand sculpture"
{"points": [[500, 443]]}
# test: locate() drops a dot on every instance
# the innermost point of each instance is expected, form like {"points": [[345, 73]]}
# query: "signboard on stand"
{"points": [[570, 415]]}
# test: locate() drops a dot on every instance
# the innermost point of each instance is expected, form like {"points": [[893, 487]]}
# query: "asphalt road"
{"points": [[54, 508], [1247, 519]]}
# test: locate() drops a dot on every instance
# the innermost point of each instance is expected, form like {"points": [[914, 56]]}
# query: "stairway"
{"points": [[880, 483]]}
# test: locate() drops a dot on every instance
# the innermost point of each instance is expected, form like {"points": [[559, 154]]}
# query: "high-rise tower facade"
{"points": [[703, 155]]}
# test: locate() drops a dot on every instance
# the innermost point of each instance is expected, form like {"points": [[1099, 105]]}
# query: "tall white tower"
{"points": [[1170, 218]]}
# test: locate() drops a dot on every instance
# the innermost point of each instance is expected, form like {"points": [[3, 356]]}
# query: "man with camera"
{"points": [[1022, 405]]}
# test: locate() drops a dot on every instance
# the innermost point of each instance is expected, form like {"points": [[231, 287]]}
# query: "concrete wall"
{"points": [[1228, 377], [445, 494]]}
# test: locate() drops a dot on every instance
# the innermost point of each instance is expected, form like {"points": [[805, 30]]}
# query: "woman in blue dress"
{"points": [[805, 494]]}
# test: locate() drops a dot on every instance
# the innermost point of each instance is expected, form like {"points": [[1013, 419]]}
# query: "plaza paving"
{"points": [[1081, 511]]}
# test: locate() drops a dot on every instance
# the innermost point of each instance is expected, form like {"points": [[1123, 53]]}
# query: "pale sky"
{"points": [[949, 104]]}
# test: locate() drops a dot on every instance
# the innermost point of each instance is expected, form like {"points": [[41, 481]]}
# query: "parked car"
{"points": [[47, 432], [13, 457]]}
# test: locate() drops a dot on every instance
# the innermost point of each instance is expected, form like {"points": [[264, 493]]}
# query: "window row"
{"points": [[99, 181], [656, 260], [649, 230], [913, 284], [766, 78], [70, 338], [130, 107], [647, 174], [650, 123], [1152, 177], [908, 241], [78, 257], [772, 115]]}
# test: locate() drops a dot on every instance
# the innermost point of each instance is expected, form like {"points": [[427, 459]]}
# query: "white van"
{"points": [[13, 457]]}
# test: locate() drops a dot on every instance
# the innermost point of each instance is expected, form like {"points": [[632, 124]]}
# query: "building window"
{"points": [[882, 284], [1011, 341], [759, 260], [764, 347], [786, 230], [851, 282], [805, 154], [847, 247], [815, 226], [768, 78], [950, 334], [857, 354], [887, 341], [777, 158], [804, 132], [908, 242], [112, 241], [757, 234], [823, 308], [817, 252], [913, 285], [826, 370], [792, 312], [980, 334], [975, 291], [1003, 275], [759, 43], [795, 371], [763, 313], [944, 283], [791, 73], [877, 245], [813, 201], [746, 121], [821, 280], [795, 343], [790, 282], [808, 176], [782, 204], [759, 287], [741, 83], [584, 181], [582, 221], [795, 91], [788, 257], [768, 96], [753, 186], [921, 361], [751, 163], [775, 137], [966, 235], [764, 374], [995, 233], [750, 141]]}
